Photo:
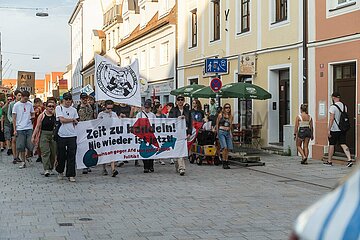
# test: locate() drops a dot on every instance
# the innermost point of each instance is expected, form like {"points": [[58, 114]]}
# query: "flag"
{"points": [[120, 84]]}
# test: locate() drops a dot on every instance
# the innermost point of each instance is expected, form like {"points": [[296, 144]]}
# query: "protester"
{"points": [[158, 113], [108, 113], [303, 133], [181, 112], [38, 108], [66, 144], [86, 112], [197, 114], [6, 125], [212, 107], [223, 127], [335, 135], [146, 113], [43, 136], [17, 95], [2, 137], [23, 114], [169, 106]]}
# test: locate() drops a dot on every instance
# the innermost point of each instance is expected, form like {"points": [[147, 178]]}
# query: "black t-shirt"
{"points": [[197, 115], [48, 123], [124, 110]]}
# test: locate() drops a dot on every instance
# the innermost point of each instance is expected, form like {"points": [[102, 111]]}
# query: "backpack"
{"points": [[344, 123]]}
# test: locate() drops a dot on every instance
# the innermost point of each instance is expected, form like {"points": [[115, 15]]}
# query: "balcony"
{"points": [[113, 15]]}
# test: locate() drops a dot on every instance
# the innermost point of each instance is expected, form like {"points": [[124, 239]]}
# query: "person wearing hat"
{"points": [[212, 107], [146, 113], [66, 144], [180, 111], [335, 135]]}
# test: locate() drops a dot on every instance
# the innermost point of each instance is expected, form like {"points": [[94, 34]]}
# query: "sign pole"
{"points": [[217, 95]]}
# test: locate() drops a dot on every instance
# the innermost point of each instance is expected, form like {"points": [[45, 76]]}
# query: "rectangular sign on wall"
{"points": [[26, 81]]}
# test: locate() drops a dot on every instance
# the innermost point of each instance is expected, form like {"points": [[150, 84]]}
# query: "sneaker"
{"points": [[47, 173], [2, 149], [39, 159], [146, 170], [89, 169], [72, 179], [172, 162], [182, 172], [60, 176], [114, 173], [151, 170], [349, 163], [327, 163], [125, 161], [104, 172], [162, 162], [85, 171], [9, 152], [18, 160], [120, 164], [52, 172], [14, 161], [22, 165]]}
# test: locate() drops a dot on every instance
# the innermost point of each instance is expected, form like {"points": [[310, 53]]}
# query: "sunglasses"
{"points": [[51, 106], [9, 99], [67, 99], [181, 99], [109, 108], [227, 107]]}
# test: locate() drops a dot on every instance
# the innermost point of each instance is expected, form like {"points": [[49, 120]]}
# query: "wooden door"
{"points": [[284, 102]]}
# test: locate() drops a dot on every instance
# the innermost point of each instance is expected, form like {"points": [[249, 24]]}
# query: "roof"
{"points": [[76, 10]]}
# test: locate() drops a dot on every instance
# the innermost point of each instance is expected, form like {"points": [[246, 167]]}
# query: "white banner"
{"points": [[120, 84], [112, 139]]}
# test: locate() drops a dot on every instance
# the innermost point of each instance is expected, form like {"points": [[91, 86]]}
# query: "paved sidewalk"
{"points": [[207, 203]]}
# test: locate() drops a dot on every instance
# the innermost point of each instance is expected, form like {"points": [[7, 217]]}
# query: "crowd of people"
{"points": [[47, 129]]}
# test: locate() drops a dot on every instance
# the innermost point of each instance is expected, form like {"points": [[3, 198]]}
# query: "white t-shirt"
{"points": [[23, 115], [107, 115], [66, 129], [144, 114], [334, 110]]}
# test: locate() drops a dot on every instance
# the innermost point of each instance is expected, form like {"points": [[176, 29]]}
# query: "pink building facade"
{"points": [[334, 55]]}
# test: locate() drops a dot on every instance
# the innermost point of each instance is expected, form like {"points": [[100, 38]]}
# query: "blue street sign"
{"points": [[216, 65]]}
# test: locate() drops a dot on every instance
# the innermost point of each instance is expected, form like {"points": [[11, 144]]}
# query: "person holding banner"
{"points": [[146, 113], [181, 112], [158, 113], [66, 144], [108, 113]]}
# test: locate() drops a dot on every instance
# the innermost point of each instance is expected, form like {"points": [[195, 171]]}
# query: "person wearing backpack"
{"points": [[337, 128]]}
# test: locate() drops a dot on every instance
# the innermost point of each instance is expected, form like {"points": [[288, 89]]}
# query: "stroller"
{"points": [[204, 149]]}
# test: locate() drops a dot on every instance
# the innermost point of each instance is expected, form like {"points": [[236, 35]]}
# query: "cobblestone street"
{"points": [[207, 203]]}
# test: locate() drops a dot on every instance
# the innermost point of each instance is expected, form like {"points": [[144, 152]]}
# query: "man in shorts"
{"points": [[7, 126], [17, 95], [23, 114], [335, 135]]}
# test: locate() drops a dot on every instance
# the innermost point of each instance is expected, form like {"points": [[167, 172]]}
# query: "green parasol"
{"points": [[244, 91], [187, 90], [205, 92]]}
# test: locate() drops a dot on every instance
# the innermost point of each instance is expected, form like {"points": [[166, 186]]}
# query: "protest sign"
{"points": [[111, 139]]}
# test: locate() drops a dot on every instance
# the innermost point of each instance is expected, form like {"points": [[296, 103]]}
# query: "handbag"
{"points": [[56, 129]]}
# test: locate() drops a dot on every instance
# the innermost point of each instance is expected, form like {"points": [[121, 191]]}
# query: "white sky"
{"points": [[47, 37]]}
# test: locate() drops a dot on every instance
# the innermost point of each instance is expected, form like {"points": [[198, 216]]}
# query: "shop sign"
{"points": [[247, 64]]}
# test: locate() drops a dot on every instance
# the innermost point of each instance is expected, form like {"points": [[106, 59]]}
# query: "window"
{"points": [[344, 2], [216, 20], [164, 53], [113, 38], [152, 57], [245, 16], [143, 60], [109, 42], [194, 28], [280, 10]]}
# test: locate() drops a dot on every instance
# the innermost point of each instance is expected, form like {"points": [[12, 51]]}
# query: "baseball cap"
{"points": [[83, 95], [336, 94], [147, 103], [67, 95], [180, 97]]}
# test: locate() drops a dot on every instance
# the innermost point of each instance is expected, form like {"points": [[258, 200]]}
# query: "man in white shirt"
{"points": [[22, 116], [335, 135], [66, 144]]}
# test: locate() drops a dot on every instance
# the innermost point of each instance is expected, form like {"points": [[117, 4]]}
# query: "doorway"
{"points": [[284, 102], [344, 81]]}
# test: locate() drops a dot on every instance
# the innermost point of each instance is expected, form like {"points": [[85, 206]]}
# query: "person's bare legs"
{"points": [[346, 151], [306, 147], [331, 153], [299, 148]]}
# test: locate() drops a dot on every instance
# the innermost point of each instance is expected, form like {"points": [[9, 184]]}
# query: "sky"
{"points": [[47, 37]]}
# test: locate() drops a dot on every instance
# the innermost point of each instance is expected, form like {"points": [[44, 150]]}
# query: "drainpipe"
{"points": [[305, 51], [176, 46]]}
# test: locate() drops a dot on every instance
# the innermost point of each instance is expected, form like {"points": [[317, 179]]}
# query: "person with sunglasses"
{"points": [[6, 125], [108, 113], [180, 111], [43, 136], [66, 143], [223, 128], [23, 114]]}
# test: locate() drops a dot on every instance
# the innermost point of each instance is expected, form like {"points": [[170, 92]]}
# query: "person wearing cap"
{"points": [[66, 144], [86, 113], [146, 113], [212, 108], [180, 111], [335, 135]]}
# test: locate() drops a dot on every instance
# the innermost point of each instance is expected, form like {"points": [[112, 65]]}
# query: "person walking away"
{"points": [[146, 113], [86, 113], [335, 135], [7, 126], [2, 137], [23, 114], [303, 133], [66, 144], [43, 137], [17, 95], [223, 127], [108, 113], [181, 112], [38, 108], [158, 114]]}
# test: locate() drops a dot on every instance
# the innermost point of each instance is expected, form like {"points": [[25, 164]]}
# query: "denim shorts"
{"points": [[8, 132], [225, 139], [23, 140]]}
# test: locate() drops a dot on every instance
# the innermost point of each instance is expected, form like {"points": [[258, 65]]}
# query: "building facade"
{"points": [[334, 66], [268, 35]]}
